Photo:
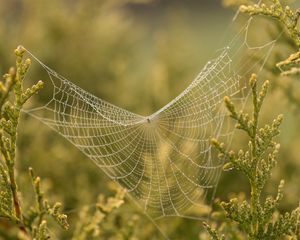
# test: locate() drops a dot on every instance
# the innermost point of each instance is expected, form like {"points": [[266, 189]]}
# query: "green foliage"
{"points": [[285, 19], [89, 225], [292, 60], [284, 15], [288, 19], [6, 204], [212, 232], [43, 208], [31, 224], [257, 218]]}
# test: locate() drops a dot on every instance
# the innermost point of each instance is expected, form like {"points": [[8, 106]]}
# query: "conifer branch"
{"points": [[256, 217]]}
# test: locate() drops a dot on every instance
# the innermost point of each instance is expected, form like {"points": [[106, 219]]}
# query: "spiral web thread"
{"points": [[164, 160]]}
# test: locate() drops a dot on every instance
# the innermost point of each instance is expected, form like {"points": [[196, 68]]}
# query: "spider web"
{"points": [[164, 160]]}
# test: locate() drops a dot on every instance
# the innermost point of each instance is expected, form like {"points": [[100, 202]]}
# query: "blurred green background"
{"points": [[135, 54]]}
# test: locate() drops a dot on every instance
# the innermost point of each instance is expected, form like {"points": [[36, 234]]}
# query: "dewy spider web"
{"points": [[164, 160]]}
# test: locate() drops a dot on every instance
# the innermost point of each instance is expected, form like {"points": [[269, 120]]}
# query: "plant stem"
{"points": [[255, 192], [16, 200], [10, 162]]}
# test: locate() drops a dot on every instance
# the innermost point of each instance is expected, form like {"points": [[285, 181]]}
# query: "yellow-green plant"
{"points": [[29, 224], [89, 225], [285, 19], [257, 218], [283, 14]]}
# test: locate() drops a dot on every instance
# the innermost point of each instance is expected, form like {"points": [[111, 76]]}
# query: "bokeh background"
{"points": [[137, 54]]}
